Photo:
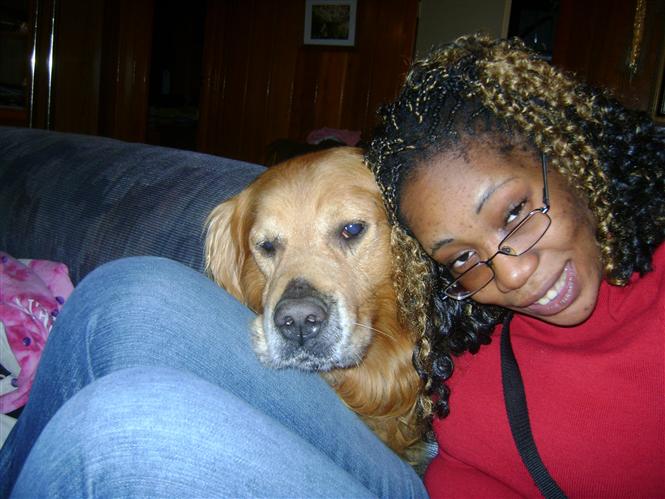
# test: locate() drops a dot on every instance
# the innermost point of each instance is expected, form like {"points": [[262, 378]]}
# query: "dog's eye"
{"points": [[267, 247], [349, 231]]}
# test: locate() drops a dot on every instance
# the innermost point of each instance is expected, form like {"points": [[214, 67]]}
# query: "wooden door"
{"points": [[617, 44]]}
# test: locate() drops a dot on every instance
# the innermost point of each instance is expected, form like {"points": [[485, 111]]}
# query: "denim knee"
{"points": [[125, 435], [119, 282], [166, 433], [144, 311]]}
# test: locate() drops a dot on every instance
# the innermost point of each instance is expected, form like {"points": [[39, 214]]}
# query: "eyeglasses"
{"points": [[518, 241]]}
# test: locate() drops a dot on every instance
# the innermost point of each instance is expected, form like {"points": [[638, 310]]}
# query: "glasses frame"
{"points": [[502, 250]]}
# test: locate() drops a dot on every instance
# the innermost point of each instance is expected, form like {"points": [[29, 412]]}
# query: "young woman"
{"points": [[530, 207]]}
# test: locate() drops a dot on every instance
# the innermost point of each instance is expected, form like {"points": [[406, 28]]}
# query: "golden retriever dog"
{"points": [[306, 246]]}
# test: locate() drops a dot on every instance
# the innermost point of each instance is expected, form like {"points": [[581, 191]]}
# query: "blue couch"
{"points": [[85, 200]]}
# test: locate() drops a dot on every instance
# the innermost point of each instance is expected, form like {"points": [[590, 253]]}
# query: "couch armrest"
{"points": [[85, 200]]}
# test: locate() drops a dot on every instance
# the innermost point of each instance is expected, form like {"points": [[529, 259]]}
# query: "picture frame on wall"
{"points": [[330, 22]]}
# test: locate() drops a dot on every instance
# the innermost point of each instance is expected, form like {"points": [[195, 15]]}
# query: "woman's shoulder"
{"points": [[657, 274], [658, 260], [644, 294]]}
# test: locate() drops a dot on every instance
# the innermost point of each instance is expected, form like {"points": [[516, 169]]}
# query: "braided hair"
{"points": [[477, 87]]}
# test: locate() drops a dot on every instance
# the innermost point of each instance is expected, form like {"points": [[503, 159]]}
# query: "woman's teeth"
{"points": [[554, 291]]}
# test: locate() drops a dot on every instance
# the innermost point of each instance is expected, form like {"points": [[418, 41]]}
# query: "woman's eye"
{"points": [[515, 212], [349, 231], [463, 262], [267, 247]]}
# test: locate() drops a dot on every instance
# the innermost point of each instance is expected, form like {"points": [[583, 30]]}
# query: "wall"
{"points": [[261, 83], [599, 52], [442, 21]]}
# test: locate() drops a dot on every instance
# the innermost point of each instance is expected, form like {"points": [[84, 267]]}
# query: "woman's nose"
{"points": [[512, 272]]}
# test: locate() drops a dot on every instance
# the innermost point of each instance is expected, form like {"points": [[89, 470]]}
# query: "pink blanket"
{"points": [[32, 293]]}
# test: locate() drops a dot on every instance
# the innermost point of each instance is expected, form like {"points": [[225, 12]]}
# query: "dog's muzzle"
{"points": [[300, 314]]}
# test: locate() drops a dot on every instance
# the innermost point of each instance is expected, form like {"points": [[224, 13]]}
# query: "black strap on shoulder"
{"points": [[518, 417]]}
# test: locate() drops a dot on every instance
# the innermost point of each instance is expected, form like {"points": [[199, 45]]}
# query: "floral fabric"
{"points": [[32, 293]]}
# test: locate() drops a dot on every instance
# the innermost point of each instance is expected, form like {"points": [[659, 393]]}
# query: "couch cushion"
{"points": [[85, 200]]}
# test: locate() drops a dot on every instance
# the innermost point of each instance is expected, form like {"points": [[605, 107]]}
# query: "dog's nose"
{"points": [[300, 314], [299, 319]]}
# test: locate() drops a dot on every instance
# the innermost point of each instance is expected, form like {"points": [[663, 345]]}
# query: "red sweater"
{"points": [[596, 398]]}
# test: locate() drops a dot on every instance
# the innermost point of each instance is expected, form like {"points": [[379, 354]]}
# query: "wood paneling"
{"points": [[76, 79], [594, 40], [125, 69], [261, 83]]}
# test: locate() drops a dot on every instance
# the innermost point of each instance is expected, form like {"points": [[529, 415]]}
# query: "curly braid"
{"points": [[500, 90]]}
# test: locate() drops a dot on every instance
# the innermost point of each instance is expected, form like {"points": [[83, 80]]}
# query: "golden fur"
{"points": [[301, 207]]}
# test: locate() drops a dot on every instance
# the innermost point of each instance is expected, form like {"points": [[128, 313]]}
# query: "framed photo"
{"points": [[330, 22]]}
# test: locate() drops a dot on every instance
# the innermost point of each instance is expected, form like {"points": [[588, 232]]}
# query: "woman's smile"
{"points": [[559, 296]]}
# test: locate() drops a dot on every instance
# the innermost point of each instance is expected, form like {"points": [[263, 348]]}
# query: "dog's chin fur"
{"points": [[360, 348]]}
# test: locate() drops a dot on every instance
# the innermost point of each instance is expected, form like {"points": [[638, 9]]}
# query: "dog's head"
{"points": [[306, 246]]}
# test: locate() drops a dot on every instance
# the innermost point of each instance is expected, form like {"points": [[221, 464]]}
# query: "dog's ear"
{"points": [[226, 244]]}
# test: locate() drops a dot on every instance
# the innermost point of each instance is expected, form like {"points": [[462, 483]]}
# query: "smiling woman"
{"points": [[520, 197], [553, 272]]}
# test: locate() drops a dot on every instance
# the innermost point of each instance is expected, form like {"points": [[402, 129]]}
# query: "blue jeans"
{"points": [[148, 386]]}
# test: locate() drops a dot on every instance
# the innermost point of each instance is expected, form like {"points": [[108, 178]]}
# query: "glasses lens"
{"points": [[526, 235], [471, 281]]}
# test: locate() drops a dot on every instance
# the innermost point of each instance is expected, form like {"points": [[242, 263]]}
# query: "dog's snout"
{"points": [[300, 314], [299, 288], [299, 319]]}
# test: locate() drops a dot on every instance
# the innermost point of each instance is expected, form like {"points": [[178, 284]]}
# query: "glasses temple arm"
{"points": [[546, 191]]}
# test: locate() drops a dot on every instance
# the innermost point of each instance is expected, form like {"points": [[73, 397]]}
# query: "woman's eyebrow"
{"points": [[488, 193], [436, 246], [442, 242]]}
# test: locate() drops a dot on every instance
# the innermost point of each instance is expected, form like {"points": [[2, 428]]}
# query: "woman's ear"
{"points": [[225, 244]]}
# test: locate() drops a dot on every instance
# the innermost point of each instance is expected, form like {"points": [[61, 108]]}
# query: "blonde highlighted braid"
{"points": [[412, 273], [480, 88]]}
